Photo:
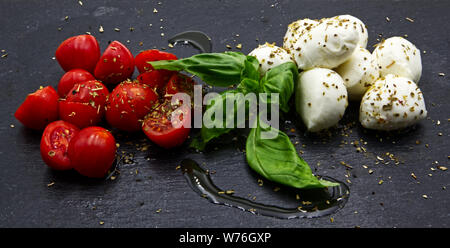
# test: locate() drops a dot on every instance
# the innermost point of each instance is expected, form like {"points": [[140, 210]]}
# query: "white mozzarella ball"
{"points": [[359, 73], [327, 44], [296, 30], [398, 56], [320, 98], [359, 26], [393, 102], [270, 56]]}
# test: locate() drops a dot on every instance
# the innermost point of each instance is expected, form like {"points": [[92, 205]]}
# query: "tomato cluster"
{"points": [[70, 116]]}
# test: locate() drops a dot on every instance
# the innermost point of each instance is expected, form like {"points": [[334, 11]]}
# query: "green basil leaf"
{"points": [[217, 69], [281, 79], [250, 71], [277, 160]]}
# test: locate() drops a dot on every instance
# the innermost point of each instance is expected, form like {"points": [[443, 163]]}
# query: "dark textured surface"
{"points": [[150, 192]]}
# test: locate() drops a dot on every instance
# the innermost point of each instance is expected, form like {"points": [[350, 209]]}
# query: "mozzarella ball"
{"points": [[393, 102], [359, 73], [295, 30], [327, 45], [359, 26], [320, 98], [400, 57], [270, 56]]}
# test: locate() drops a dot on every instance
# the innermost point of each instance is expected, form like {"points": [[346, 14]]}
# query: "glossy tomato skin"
{"points": [[55, 144], [151, 55], [162, 130], [72, 77], [128, 104], [85, 104], [115, 65], [92, 151], [156, 79], [78, 52], [39, 108]]}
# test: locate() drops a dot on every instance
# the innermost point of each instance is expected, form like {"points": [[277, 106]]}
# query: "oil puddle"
{"points": [[320, 202], [198, 39]]}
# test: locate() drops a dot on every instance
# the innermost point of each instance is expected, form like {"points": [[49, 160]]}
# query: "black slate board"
{"points": [[150, 192]]}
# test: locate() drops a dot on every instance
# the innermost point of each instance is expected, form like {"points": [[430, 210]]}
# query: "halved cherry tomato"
{"points": [[78, 52], [85, 104], [165, 131], [127, 105], [72, 77], [151, 55], [39, 108], [115, 65], [180, 83], [55, 144], [156, 79], [92, 151]]}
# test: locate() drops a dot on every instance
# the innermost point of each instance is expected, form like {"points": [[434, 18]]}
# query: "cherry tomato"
{"points": [[115, 65], [92, 151], [55, 144], [180, 83], [157, 80], [39, 108], [78, 52], [72, 77], [165, 131], [85, 104], [128, 104], [151, 55]]}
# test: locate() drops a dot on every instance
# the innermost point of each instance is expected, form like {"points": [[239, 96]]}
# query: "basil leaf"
{"points": [[277, 160], [250, 70], [281, 79], [217, 69]]}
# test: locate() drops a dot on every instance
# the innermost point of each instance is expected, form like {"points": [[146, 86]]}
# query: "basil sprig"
{"points": [[275, 159]]}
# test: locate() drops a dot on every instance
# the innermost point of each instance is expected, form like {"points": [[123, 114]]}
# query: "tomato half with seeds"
{"points": [[55, 144], [165, 129], [92, 151], [39, 108], [115, 65], [180, 83], [128, 104], [152, 55], [85, 104], [72, 77], [78, 52]]}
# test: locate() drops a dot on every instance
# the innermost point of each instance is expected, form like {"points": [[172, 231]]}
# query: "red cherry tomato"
{"points": [[157, 80], [180, 83], [151, 55], [115, 65], [162, 129], [39, 108], [78, 52], [128, 104], [85, 104], [55, 144], [92, 151], [72, 77]]}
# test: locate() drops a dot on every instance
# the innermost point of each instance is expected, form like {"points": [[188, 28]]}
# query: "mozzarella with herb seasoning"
{"points": [[320, 98], [359, 73], [357, 24], [296, 30], [398, 56], [392, 103], [270, 56], [327, 45]]}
